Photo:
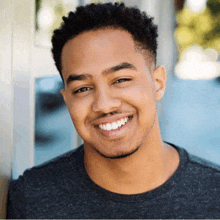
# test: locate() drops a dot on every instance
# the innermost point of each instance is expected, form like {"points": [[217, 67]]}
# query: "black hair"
{"points": [[100, 16]]}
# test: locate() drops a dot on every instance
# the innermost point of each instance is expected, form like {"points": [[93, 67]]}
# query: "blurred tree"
{"points": [[179, 4], [37, 7], [201, 28], [214, 6], [96, 1], [101, 1]]}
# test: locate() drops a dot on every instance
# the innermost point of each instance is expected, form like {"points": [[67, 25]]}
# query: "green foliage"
{"points": [[202, 28], [214, 7], [100, 1], [96, 1], [37, 7]]}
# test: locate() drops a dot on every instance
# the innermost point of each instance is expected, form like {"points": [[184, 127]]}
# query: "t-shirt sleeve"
{"points": [[16, 200]]}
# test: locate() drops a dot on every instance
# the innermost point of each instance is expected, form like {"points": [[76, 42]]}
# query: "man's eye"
{"points": [[83, 89], [122, 80]]}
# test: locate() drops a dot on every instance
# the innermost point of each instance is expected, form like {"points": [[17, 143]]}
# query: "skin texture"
{"points": [[115, 80]]}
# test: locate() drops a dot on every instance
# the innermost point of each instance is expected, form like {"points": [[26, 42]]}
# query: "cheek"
{"points": [[77, 110], [139, 96]]}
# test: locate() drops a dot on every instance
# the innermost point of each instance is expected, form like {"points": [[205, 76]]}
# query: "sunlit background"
{"points": [[190, 115]]}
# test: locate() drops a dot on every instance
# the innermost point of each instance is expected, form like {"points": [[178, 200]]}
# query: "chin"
{"points": [[119, 155]]}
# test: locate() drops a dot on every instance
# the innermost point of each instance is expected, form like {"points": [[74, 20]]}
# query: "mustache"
{"points": [[105, 115], [113, 113]]}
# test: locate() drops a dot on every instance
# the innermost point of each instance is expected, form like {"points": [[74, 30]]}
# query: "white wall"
{"points": [[6, 131], [16, 90], [23, 85]]}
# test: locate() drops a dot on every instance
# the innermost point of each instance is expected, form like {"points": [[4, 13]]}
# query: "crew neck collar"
{"points": [[163, 189]]}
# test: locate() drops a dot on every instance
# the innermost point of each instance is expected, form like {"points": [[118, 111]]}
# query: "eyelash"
{"points": [[80, 90], [124, 79], [88, 88]]}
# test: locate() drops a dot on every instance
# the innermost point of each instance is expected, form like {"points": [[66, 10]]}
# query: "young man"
{"points": [[106, 57]]}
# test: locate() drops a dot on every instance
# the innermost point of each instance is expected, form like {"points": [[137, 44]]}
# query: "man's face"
{"points": [[110, 91]]}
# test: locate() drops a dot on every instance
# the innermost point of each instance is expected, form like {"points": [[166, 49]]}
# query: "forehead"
{"points": [[99, 49]]}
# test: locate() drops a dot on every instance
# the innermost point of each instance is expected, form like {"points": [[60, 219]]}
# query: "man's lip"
{"points": [[110, 119]]}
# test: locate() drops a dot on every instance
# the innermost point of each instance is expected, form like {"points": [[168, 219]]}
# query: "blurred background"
{"points": [[35, 125], [188, 47]]}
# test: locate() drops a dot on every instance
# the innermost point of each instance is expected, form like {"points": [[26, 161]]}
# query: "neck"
{"points": [[149, 167]]}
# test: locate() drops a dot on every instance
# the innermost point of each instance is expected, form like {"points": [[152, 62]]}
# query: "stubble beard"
{"points": [[119, 155]]}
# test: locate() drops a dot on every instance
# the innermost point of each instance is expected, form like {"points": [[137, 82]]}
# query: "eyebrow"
{"points": [[75, 77], [123, 65], [84, 76]]}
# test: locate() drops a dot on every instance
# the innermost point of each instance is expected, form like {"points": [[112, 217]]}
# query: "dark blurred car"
{"points": [[48, 101]]}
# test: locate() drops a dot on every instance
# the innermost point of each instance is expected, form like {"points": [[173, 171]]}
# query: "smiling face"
{"points": [[111, 91]]}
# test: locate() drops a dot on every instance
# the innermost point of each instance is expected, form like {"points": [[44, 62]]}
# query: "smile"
{"points": [[115, 125]]}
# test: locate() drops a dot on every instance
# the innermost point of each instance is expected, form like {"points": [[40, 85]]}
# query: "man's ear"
{"points": [[159, 77], [63, 94]]}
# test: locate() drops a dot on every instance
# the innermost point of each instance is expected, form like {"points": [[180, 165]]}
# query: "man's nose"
{"points": [[105, 102]]}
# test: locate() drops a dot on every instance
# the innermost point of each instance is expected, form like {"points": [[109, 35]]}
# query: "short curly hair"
{"points": [[101, 16]]}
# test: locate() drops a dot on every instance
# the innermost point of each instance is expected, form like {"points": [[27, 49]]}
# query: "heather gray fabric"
{"points": [[62, 189]]}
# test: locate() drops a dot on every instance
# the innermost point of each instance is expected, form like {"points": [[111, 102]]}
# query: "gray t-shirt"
{"points": [[61, 189]]}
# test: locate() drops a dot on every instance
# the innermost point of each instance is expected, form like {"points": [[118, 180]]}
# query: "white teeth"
{"points": [[118, 123], [114, 125], [122, 121], [108, 127]]}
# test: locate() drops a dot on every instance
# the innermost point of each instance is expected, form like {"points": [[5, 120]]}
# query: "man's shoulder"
{"points": [[195, 163], [199, 171], [204, 172], [53, 169], [41, 185], [203, 164]]}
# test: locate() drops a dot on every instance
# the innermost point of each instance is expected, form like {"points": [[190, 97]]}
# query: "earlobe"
{"points": [[159, 76]]}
